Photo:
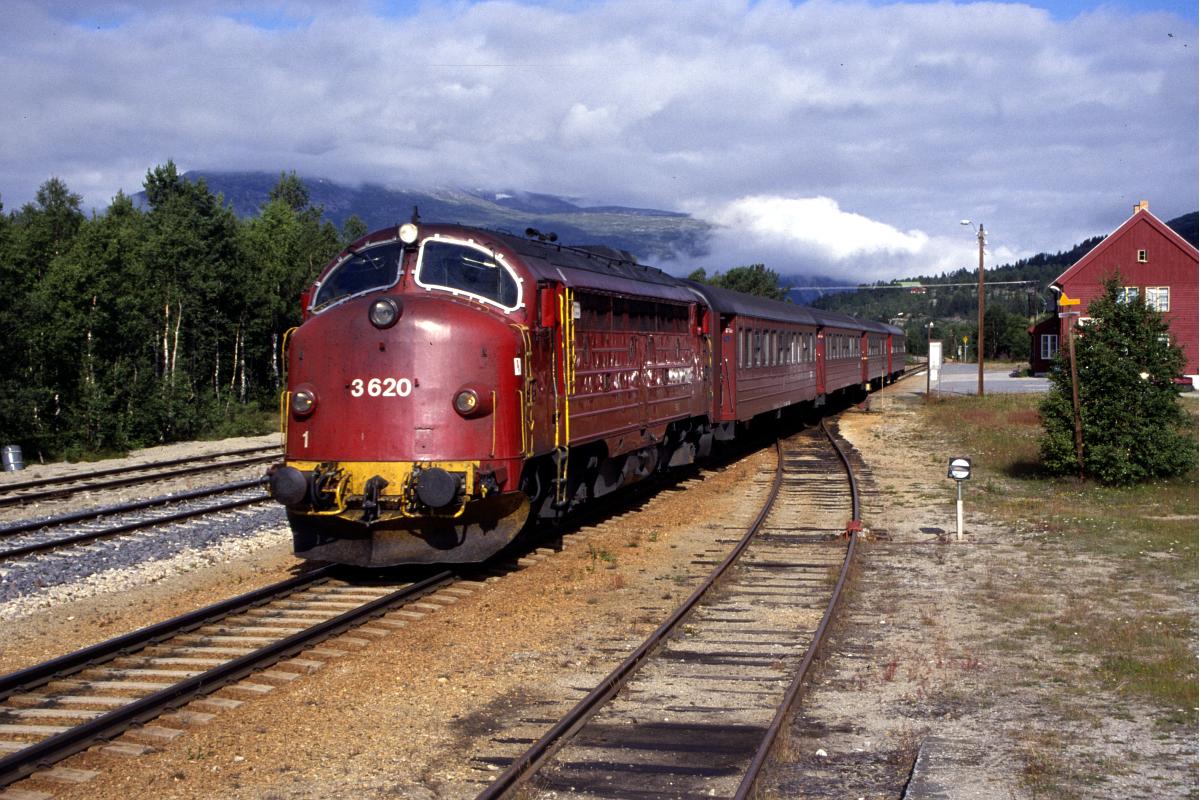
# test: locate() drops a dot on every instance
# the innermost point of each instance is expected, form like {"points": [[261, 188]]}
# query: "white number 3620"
{"points": [[381, 387]]}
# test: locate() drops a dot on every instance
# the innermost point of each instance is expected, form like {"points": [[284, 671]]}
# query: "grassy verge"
{"points": [[1128, 565]]}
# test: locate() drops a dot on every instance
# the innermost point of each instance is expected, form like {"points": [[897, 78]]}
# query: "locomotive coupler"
{"points": [[370, 501]]}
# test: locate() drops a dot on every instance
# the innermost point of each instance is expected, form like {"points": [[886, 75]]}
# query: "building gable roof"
{"points": [[1141, 214]]}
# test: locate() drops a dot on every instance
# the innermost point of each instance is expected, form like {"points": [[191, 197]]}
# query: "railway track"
{"points": [[135, 680], [29, 537], [696, 708], [66, 705], [16, 493]]}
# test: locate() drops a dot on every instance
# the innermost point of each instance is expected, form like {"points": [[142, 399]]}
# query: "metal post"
{"points": [[958, 536], [928, 358], [979, 341]]}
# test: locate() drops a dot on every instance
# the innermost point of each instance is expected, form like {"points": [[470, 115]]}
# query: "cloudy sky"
{"points": [[845, 138]]}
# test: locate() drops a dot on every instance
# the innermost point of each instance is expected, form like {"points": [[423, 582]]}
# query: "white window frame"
{"points": [[1158, 298], [346, 256], [1049, 346], [1128, 294], [482, 248], [1143, 257]]}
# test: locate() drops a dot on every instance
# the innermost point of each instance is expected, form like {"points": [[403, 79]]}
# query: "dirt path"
{"points": [[941, 656]]}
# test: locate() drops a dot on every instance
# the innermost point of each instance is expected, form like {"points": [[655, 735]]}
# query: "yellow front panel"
{"points": [[396, 473]]}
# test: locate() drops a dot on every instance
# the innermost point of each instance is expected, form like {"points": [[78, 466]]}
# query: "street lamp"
{"points": [[979, 338]]}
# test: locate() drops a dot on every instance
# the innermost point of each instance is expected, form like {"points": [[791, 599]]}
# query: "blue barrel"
{"points": [[13, 459]]}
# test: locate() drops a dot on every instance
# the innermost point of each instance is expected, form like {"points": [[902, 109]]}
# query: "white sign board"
{"points": [[935, 359]]}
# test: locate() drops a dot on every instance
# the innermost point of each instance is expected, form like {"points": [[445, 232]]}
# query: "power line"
{"points": [[910, 286]]}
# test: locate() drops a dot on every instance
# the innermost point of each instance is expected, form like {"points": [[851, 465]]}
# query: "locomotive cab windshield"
{"points": [[468, 269], [368, 270]]}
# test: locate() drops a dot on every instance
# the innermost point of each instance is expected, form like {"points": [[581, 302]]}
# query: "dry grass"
{"points": [[1135, 618], [1046, 770]]}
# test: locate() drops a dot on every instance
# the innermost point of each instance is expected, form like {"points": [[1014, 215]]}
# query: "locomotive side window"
{"points": [[672, 318], [465, 269], [595, 311], [365, 271]]}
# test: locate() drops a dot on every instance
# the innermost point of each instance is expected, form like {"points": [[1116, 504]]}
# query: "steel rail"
{"points": [[55, 748], [525, 764], [747, 785], [124, 508], [31, 677], [65, 491], [173, 462], [90, 536]]}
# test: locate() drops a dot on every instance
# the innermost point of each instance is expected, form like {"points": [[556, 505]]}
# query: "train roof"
{"points": [[607, 269], [836, 319], [726, 301], [595, 267]]}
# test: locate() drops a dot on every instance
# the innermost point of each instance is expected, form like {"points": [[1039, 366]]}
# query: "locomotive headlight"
{"points": [[408, 233], [384, 312], [472, 401], [466, 401], [304, 400]]}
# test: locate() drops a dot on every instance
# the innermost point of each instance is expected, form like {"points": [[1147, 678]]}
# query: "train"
{"points": [[449, 385]]}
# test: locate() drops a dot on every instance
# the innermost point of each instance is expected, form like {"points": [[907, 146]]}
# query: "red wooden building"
{"points": [[1157, 267]]}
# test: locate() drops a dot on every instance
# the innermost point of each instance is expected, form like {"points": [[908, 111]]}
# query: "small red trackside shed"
{"points": [[1044, 344], [1157, 267]]}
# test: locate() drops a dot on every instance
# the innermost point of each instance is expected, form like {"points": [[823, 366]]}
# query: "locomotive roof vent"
{"points": [[548, 236], [611, 253]]}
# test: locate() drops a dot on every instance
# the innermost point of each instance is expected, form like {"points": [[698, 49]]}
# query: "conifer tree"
{"points": [[1131, 419]]}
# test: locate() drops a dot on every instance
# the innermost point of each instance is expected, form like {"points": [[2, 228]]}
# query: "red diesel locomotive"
{"points": [[448, 384]]}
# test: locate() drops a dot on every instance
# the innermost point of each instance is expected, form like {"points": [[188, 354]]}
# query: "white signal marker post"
{"points": [[935, 362], [960, 470]]}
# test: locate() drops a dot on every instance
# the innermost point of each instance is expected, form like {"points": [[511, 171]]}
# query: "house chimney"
{"points": [[1143, 205]]}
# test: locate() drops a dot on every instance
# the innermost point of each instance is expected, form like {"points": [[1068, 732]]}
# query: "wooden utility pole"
{"points": [[979, 340], [1072, 318], [1075, 390], [982, 235]]}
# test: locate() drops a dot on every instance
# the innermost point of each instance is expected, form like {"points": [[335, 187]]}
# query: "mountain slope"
{"points": [[654, 236]]}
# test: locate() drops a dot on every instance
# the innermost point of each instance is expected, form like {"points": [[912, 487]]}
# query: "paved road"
{"points": [[964, 379]]}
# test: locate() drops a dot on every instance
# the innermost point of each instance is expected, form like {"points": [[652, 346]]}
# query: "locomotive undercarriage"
{"points": [[592, 473], [390, 513]]}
